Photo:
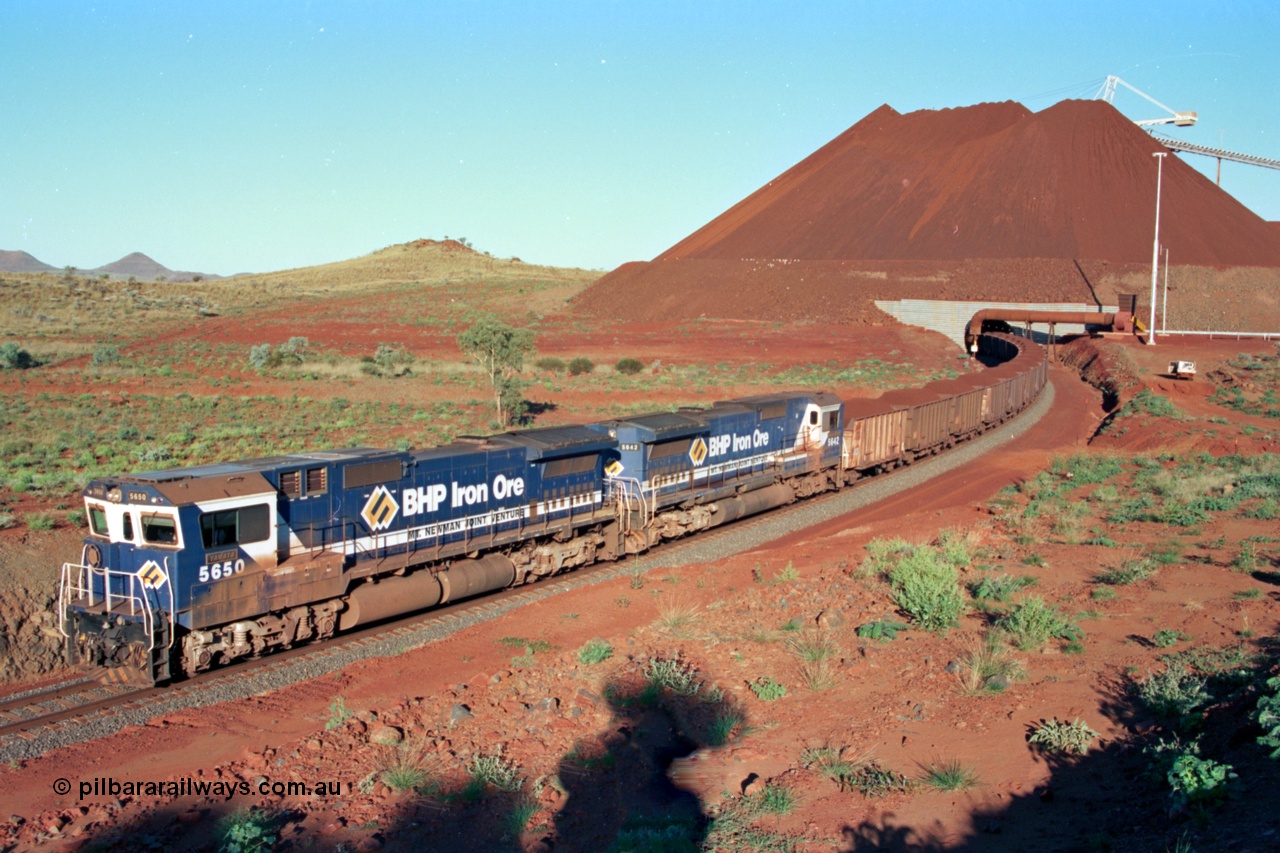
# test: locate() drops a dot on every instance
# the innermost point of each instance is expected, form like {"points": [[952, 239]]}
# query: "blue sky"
{"points": [[251, 136]]}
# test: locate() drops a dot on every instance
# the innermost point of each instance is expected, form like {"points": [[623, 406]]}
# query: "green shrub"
{"points": [[1033, 623], [722, 728], [551, 364], [293, 351], [1195, 781], [883, 630], [629, 366], [1131, 571], [581, 365], [407, 767], [1054, 736], [998, 587], [949, 776], [1105, 494], [595, 651], [927, 590], [1266, 509], [1148, 402], [1268, 715], [105, 354], [258, 355], [246, 831], [392, 361], [521, 813], [767, 690], [492, 769], [873, 781], [40, 521], [338, 713], [883, 555], [775, 799], [812, 646], [1136, 509], [987, 667], [953, 548], [1084, 469], [1247, 560], [1173, 692], [868, 777], [672, 674]]}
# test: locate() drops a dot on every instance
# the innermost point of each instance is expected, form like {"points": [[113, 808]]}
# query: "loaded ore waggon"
{"points": [[189, 568]]}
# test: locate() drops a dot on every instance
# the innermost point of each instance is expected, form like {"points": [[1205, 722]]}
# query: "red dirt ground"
{"points": [[182, 744], [907, 712]]}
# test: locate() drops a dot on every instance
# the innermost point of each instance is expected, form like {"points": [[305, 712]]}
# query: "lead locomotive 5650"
{"points": [[187, 568]]}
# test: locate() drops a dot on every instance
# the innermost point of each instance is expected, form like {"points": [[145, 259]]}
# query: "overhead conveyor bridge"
{"points": [[1115, 320], [1178, 145]]}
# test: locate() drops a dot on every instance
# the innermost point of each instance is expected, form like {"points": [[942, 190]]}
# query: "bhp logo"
{"points": [[380, 510]]}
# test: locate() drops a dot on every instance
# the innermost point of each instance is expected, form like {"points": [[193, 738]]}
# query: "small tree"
{"points": [[15, 357], [499, 350]]}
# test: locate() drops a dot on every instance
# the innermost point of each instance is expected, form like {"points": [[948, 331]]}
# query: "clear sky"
{"points": [[255, 135]]}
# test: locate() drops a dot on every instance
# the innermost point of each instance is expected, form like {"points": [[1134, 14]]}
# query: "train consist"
{"points": [[189, 568]]}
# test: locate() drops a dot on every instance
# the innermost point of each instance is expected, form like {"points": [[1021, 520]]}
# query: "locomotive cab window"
{"points": [[813, 418], [97, 520], [235, 526], [833, 421], [128, 527], [159, 529]]}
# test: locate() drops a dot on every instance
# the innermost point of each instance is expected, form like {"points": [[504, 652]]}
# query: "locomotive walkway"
{"points": [[307, 663]]}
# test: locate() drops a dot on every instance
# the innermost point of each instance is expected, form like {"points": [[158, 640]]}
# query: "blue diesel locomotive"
{"points": [[188, 568]]}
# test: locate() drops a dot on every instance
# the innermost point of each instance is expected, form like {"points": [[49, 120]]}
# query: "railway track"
{"points": [[36, 723], [65, 703]]}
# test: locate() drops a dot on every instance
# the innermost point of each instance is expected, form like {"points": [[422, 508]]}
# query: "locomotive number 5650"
{"points": [[217, 571]]}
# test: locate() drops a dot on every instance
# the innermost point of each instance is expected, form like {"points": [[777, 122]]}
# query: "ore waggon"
{"points": [[189, 568]]}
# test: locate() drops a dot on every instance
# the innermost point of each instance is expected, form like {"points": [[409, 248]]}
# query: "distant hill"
{"points": [[135, 265], [22, 262], [142, 267]]}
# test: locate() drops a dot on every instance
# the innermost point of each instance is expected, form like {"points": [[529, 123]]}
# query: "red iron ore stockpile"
{"points": [[984, 202]]}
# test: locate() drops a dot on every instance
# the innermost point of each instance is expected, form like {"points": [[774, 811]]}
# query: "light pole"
{"points": [[1155, 249], [1164, 311]]}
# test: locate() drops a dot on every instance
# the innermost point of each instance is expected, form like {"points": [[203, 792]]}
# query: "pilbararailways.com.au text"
{"points": [[108, 786]]}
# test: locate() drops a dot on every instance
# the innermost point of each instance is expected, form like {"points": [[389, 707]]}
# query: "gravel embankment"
{"points": [[760, 531]]}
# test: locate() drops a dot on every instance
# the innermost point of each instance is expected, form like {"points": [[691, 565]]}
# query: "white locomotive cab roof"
{"points": [[198, 489]]}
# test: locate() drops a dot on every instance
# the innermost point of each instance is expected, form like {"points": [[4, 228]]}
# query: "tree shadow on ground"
{"points": [[611, 792]]}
